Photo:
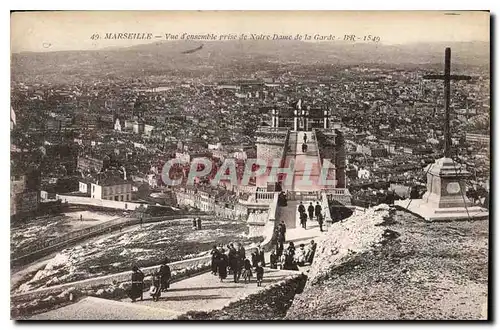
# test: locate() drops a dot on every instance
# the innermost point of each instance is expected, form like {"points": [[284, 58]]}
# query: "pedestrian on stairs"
{"points": [[302, 208], [320, 222], [317, 210], [310, 210], [282, 229], [303, 220]]}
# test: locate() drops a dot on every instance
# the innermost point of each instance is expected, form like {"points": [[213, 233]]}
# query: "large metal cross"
{"points": [[447, 77]]}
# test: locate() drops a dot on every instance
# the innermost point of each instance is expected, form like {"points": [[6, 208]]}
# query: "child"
{"points": [[247, 271], [281, 262], [273, 260], [260, 273], [155, 290]]}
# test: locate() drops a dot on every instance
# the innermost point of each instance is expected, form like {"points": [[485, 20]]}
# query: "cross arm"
{"points": [[434, 76], [460, 77], [443, 77]]}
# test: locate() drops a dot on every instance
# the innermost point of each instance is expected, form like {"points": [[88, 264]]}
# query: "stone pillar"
{"points": [[325, 119], [304, 116], [296, 121], [276, 118]]}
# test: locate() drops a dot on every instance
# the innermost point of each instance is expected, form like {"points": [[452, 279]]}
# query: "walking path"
{"points": [[199, 293], [303, 158]]}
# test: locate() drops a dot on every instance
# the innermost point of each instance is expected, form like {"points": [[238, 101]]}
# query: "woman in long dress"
{"points": [[222, 266], [137, 288], [215, 257]]}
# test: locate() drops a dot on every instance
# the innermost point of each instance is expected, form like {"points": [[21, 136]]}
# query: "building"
{"points": [[478, 138], [112, 188], [138, 127], [24, 196], [89, 164]]}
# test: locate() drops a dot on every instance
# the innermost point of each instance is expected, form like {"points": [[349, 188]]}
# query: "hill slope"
{"points": [[402, 268]]}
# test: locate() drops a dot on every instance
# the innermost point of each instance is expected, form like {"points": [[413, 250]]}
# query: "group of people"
{"points": [[290, 258], [160, 282], [313, 211], [233, 260]]}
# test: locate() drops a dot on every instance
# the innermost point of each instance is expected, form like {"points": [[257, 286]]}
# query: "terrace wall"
{"points": [[98, 202]]}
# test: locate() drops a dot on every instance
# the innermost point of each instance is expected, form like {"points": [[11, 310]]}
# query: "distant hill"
{"points": [[168, 58]]}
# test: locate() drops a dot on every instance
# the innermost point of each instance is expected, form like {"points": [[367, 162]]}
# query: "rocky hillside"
{"points": [[391, 265]]}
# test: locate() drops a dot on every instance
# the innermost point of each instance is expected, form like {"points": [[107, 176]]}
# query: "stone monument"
{"points": [[445, 198]]}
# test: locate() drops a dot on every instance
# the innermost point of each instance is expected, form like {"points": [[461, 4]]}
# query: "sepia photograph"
{"points": [[250, 165]]}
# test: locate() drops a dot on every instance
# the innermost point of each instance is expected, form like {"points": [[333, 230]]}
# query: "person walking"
{"points": [[261, 255], [137, 288], [259, 271], [247, 271], [231, 257], [222, 265], [215, 259], [310, 210], [237, 264], [303, 220], [311, 252], [165, 275], [273, 260], [255, 258], [317, 209], [320, 222], [302, 208], [155, 290], [282, 230]]}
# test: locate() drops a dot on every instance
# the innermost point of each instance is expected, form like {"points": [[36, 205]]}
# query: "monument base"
{"points": [[430, 212]]}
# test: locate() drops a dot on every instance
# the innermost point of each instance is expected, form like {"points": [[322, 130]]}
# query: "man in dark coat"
{"points": [[165, 275], [282, 230], [255, 258], [232, 258], [303, 220], [302, 208], [237, 264], [317, 209], [320, 222], [310, 210], [242, 253]]}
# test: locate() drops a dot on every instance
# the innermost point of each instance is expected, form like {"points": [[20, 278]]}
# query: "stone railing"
{"points": [[266, 228], [271, 225], [99, 202], [265, 196], [341, 195], [326, 208]]}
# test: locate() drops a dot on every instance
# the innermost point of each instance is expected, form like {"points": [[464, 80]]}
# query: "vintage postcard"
{"points": [[250, 165]]}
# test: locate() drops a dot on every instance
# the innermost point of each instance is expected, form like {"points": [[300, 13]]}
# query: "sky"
{"points": [[72, 30]]}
